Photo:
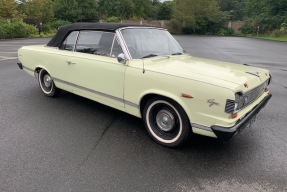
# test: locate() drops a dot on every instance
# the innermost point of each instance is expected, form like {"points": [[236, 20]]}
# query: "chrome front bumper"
{"points": [[226, 133]]}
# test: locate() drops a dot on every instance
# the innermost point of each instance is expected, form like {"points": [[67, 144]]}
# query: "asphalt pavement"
{"points": [[74, 144]]}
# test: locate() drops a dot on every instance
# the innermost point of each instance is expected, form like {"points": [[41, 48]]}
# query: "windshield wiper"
{"points": [[178, 53], [149, 55]]}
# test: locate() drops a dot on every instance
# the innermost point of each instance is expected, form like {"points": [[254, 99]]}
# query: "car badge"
{"points": [[245, 85], [212, 102]]}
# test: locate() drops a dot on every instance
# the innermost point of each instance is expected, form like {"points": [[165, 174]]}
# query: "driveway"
{"points": [[73, 144]]}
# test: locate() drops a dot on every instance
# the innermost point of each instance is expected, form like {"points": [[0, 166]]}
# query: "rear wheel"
{"points": [[47, 84], [166, 122]]}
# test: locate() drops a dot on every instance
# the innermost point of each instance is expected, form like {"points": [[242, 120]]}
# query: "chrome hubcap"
{"points": [[165, 120], [47, 80]]}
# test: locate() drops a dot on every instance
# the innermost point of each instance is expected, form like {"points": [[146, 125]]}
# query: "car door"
{"points": [[94, 69], [59, 65]]}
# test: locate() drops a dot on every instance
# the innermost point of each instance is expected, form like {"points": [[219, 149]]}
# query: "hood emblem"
{"points": [[245, 85], [212, 102]]}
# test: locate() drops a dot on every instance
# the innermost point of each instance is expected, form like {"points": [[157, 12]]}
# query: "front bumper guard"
{"points": [[226, 133]]}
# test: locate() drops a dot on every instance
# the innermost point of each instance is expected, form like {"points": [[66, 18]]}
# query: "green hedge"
{"points": [[54, 25], [16, 29], [113, 19]]}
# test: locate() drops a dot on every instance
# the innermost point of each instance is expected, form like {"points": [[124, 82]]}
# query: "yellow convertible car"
{"points": [[143, 71]]}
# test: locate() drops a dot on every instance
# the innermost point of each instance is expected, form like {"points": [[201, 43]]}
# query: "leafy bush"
{"points": [[176, 26], [187, 30], [229, 32], [30, 30], [113, 19], [55, 24], [221, 32], [16, 29], [226, 32], [238, 34], [283, 27], [248, 28], [213, 27], [279, 33]]}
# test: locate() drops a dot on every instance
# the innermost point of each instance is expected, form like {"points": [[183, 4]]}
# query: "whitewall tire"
{"points": [[47, 84], [166, 122]]}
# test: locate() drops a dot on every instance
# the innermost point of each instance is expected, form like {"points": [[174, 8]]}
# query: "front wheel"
{"points": [[47, 84], [166, 122]]}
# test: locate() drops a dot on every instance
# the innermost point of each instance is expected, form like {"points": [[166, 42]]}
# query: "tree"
{"points": [[143, 8], [235, 8], [197, 14], [67, 10], [8, 9], [165, 10], [126, 9], [268, 14], [88, 10], [41, 10]]}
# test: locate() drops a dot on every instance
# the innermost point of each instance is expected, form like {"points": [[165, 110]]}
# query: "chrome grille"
{"points": [[244, 100], [229, 107], [254, 94]]}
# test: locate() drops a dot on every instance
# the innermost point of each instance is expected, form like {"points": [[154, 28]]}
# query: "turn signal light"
{"points": [[186, 95], [233, 116], [266, 89]]}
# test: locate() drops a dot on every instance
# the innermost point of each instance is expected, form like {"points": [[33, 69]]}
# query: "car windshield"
{"points": [[150, 42]]}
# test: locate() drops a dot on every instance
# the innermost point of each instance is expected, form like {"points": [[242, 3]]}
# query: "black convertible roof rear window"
{"points": [[63, 31]]}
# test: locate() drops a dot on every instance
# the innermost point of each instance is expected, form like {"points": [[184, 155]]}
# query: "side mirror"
{"points": [[121, 58]]}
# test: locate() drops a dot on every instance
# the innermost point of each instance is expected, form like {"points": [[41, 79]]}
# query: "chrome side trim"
{"points": [[131, 104], [28, 69], [201, 127], [97, 92], [91, 59], [88, 90]]}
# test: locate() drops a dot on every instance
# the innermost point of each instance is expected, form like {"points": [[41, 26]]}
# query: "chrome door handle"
{"points": [[70, 62]]}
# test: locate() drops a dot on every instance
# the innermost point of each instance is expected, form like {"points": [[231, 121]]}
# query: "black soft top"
{"points": [[65, 30]]}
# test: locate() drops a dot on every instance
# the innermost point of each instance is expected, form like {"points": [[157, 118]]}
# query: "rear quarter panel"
{"points": [[51, 59]]}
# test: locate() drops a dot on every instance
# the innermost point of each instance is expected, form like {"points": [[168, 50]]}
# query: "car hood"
{"points": [[211, 71]]}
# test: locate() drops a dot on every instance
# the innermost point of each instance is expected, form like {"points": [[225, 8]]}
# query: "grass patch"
{"points": [[45, 34], [283, 39]]}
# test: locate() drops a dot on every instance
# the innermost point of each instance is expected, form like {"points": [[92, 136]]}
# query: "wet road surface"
{"points": [[74, 144]]}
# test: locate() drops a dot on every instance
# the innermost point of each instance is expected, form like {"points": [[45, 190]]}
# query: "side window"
{"points": [[70, 41], [95, 42], [116, 49]]}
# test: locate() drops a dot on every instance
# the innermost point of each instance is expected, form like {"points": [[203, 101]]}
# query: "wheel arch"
{"points": [[38, 69], [172, 97]]}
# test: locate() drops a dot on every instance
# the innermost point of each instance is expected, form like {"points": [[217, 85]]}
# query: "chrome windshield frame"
{"points": [[123, 43]]}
